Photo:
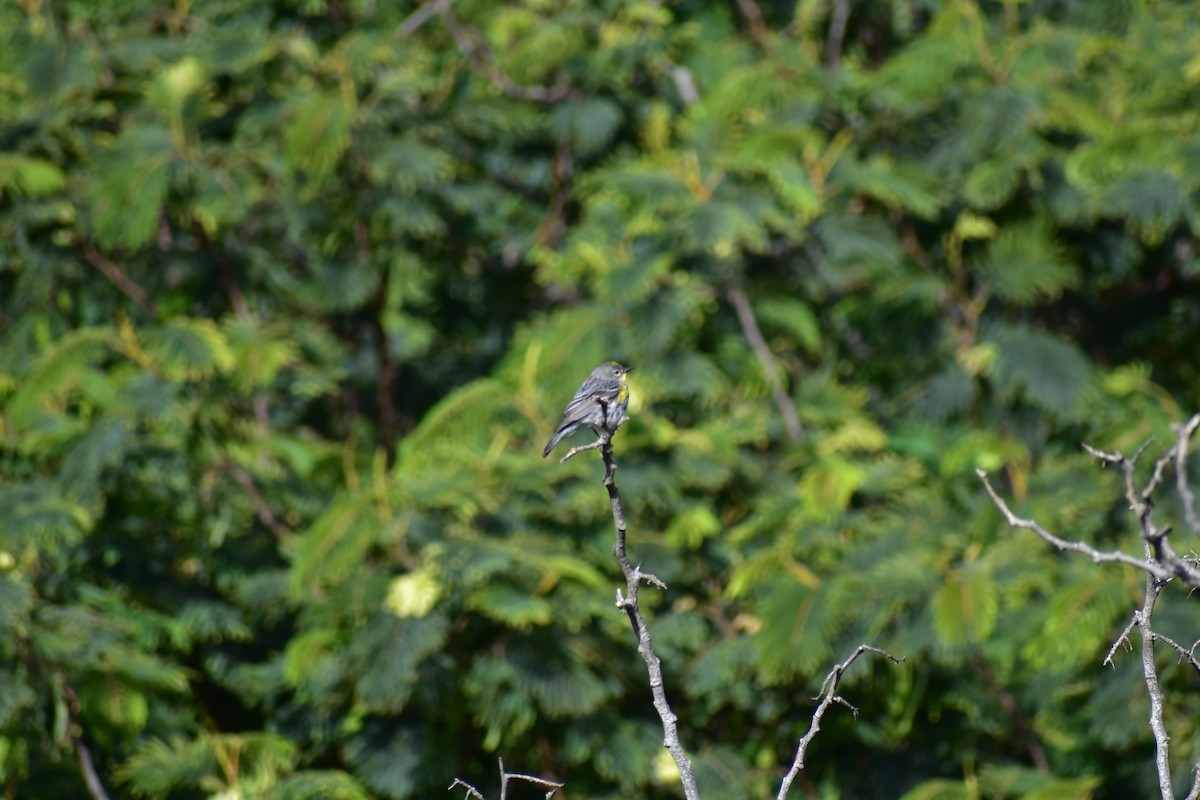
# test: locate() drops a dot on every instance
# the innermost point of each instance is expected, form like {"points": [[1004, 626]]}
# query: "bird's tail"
{"points": [[559, 435]]}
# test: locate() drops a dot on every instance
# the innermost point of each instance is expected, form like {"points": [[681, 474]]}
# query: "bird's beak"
{"points": [[629, 369]]}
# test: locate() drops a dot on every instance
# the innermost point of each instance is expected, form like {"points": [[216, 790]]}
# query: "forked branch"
{"points": [[829, 695], [1161, 565], [505, 777]]}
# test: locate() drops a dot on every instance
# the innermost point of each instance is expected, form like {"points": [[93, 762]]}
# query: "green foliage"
{"points": [[292, 294], [227, 762]]}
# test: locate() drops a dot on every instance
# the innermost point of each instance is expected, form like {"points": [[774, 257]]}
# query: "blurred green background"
{"points": [[292, 294]]}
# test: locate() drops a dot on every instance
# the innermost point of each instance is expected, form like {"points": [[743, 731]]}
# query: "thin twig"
{"points": [[419, 17], [237, 301], [388, 372], [1186, 497], [471, 790], [628, 602], [745, 314], [583, 448], [1184, 655], [685, 84], [1161, 564], [119, 278], [474, 47], [837, 31], [506, 776], [1020, 727], [1122, 639], [261, 509], [1142, 504], [754, 18], [553, 225], [88, 768], [1098, 556], [828, 696]]}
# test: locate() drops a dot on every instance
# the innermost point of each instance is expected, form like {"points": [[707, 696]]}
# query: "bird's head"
{"points": [[611, 369]]}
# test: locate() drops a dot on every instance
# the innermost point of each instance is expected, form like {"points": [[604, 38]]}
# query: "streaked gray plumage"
{"points": [[599, 404]]}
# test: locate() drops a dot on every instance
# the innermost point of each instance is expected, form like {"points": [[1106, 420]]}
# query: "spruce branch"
{"points": [[828, 696]]}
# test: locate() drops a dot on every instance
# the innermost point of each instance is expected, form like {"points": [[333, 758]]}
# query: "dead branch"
{"points": [[829, 695]]}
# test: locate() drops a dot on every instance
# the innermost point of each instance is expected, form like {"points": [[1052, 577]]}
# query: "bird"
{"points": [[599, 404]]}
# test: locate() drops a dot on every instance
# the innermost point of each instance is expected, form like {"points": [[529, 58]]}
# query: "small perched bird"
{"points": [[599, 404]]}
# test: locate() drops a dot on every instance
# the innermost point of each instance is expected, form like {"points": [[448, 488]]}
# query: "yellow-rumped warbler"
{"points": [[599, 404]]}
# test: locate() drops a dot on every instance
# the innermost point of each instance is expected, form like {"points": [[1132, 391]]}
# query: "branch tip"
{"points": [[830, 696]]}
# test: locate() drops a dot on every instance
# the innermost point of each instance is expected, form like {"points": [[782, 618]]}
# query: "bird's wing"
{"points": [[581, 404]]}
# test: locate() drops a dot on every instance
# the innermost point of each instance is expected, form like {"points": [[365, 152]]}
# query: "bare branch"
{"points": [[478, 52], [837, 31], [1186, 496], [685, 84], [261, 509], [471, 790], [745, 314], [119, 278], [419, 17], [583, 448], [1123, 639], [506, 776], [474, 47], [754, 18], [1037, 753], [388, 371], [1161, 564], [554, 224], [88, 768], [1097, 556], [1141, 620], [1142, 504], [1184, 655], [1194, 794], [828, 696], [628, 602], [1162, 761]]}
